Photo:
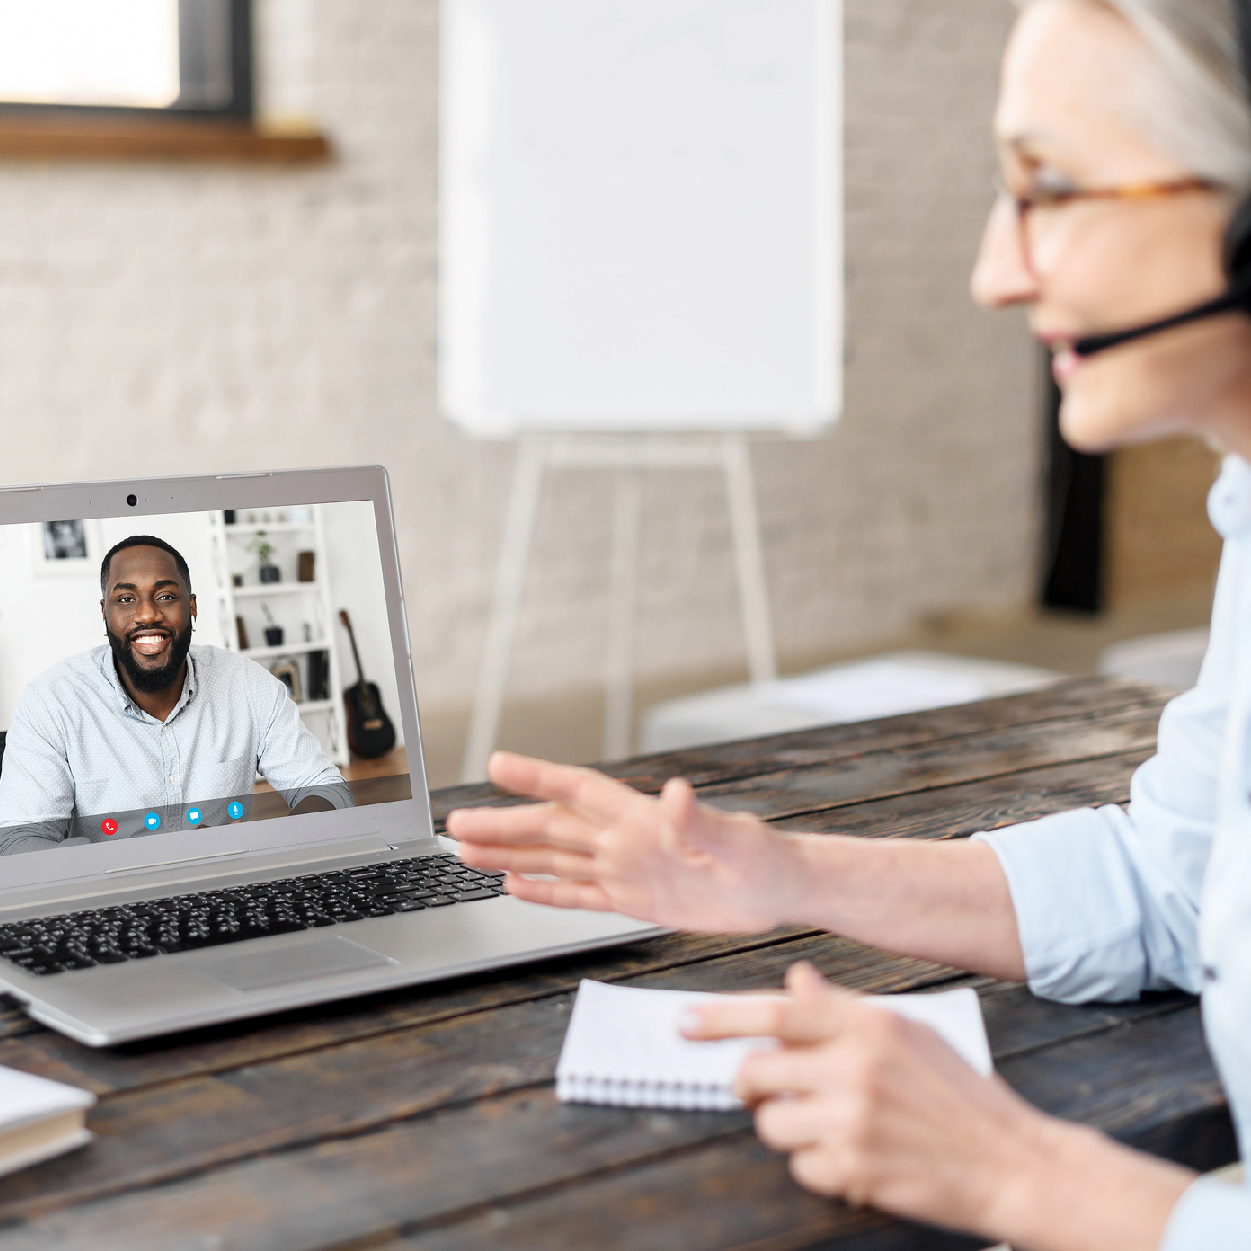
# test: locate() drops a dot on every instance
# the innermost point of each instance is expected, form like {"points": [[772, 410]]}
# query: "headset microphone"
{"points": [[1236, 252]]}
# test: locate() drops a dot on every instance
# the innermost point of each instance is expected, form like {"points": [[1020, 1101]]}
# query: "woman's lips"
{"points": [[149, 644]]}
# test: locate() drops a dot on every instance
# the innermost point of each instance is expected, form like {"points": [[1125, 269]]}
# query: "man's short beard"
{"points": [[151, 681]]}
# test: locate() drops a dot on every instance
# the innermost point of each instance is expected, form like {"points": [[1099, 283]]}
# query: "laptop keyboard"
{"points": [[153, 927]]}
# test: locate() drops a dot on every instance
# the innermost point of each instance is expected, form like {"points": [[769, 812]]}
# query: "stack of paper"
{"points": [[39, 1119]]}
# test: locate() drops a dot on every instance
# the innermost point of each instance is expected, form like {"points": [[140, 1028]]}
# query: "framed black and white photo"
{"points": [[66, 547]]}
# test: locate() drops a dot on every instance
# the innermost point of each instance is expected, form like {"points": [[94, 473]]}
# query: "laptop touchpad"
{"points": [[323, 957]]}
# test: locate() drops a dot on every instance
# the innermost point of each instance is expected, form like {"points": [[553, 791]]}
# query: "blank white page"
{"points": [[624, 1046], [641, 215]]}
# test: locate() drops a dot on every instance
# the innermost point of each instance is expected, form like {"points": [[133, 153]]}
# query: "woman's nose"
{"points": [[1001, 276]]}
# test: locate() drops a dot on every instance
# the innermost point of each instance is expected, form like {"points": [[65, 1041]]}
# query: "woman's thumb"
{"points": [[693, 828]]}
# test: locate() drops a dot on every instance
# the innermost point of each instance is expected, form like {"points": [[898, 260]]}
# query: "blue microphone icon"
{"points": [[235, 809]]}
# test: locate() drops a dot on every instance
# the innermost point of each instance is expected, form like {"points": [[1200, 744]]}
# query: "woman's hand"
{"points": [[878, 1109], [872, 1106], [670, 860]]}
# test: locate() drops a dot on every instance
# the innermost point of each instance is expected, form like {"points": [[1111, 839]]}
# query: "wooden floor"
{"points": [[426, 1119]]}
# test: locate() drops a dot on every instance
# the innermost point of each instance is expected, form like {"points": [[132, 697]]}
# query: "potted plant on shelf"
{"points": [[273, 633], [264, 550]]}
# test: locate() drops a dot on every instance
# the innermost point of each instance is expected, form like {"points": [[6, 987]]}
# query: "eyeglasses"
{"points": [[1040, 214]]}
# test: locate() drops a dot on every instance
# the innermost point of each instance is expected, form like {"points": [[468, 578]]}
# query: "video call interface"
{"points": [[191, 671]]}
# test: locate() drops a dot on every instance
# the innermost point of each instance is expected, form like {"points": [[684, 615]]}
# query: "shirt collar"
{"points": [[1229, 501], [108, 667]]}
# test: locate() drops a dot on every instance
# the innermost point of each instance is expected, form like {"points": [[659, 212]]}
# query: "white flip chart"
{"points": [[641, 215]]}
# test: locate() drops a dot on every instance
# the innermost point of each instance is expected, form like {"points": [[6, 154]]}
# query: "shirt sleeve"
{"points": [[1107, 900], [36, 785], [1212, 1215], [290, 758]]}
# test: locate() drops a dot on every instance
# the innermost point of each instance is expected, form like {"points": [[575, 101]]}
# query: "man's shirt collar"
{"points": [[108, 667]]}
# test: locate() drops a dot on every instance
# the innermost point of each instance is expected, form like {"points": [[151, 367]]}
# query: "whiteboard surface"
{"points": [[641, 215]]}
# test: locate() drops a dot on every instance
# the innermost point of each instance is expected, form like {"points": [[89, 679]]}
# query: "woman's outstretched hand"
{"points": [[669, 860]]}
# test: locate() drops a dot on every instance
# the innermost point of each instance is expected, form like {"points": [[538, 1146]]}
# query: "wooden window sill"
{"points": [[61, 138]]}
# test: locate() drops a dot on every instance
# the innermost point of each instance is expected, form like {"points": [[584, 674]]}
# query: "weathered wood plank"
{"points": [[1152, 1086], [465, 1158], [721, 763], [881, 775], [986, 804], [158, 1135], [149, 1133], [241, 1043], [701, 1182], [733, 1194], [1079, 699]]}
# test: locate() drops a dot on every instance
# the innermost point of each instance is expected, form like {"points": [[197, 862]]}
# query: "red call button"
{"points": [[108, 825]]}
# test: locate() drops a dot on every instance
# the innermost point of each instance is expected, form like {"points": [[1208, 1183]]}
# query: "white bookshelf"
{"points": [[305, 610]]}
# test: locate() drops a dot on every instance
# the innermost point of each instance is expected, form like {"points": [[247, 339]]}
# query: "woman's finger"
{"points": [[813, 1012], [798, 1071], [573, 865], [556, 828], [584, 790], [584, 895], [534, 823], [792, 1123]]}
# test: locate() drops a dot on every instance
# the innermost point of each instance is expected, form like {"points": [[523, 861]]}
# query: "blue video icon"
{"points": [[152, 821]]}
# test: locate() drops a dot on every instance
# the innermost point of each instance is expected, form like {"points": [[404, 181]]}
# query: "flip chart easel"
{"points": [[640, 265], [628, 457]]}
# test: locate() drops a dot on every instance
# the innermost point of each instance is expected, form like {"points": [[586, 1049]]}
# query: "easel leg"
{"points": [[749, 560], [619, 706], [523, 502]]}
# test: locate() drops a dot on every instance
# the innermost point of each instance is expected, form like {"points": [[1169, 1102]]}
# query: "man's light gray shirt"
{"points": [[79, 750], [1110, 903]]}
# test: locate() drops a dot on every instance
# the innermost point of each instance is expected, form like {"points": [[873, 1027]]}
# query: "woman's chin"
{"points": [[1100, 422], [1091, 429]]}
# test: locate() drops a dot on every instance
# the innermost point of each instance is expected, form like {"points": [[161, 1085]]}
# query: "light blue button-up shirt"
{"points": [[1111, 902], [84, 763]]}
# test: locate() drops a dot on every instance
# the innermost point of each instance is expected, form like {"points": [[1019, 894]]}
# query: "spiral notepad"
{"points": [[624, 1047]]}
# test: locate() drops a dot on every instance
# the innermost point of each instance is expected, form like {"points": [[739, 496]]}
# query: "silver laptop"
{"points": [[213, 802]]}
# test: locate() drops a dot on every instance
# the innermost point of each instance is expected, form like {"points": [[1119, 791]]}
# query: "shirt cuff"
{"points": [[1212, 1215], [1077, 908]]}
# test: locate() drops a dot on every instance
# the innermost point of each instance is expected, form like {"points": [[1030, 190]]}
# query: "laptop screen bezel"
{"points": [[394, 822]]}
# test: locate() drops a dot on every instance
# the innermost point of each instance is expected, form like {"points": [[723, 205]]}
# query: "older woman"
{"points": [[1124, 128]]}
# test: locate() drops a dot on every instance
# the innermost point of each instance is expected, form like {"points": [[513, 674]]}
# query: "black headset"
{"points": [[1236, 252]]}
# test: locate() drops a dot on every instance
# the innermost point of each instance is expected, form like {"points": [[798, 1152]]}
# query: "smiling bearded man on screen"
{"points": [[150, 734]]}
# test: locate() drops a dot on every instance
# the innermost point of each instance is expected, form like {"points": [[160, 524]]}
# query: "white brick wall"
{"points": [[166, 320]]}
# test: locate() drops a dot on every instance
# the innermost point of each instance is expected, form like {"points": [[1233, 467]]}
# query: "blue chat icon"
{"points": [[235, 809], [152, 821], [193, 816]]}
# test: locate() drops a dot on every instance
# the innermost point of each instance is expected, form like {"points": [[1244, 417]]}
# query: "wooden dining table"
{"points": [[426, 1118]]}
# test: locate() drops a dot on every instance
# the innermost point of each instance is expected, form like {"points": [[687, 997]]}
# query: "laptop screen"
{"points": [[182, 675]]}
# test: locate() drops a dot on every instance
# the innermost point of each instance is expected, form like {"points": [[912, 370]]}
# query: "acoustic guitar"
{"points": [[370, 732]]}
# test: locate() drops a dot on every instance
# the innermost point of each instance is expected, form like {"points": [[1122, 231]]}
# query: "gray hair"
{"points": [[1199, 111]]}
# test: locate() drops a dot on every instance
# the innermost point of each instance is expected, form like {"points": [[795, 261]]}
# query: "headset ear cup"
{"points": [[1237, 249]]}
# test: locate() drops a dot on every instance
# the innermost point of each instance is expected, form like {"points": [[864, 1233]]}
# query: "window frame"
{"points": [[240, 107]]}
